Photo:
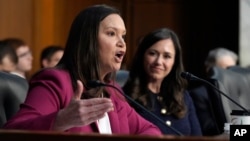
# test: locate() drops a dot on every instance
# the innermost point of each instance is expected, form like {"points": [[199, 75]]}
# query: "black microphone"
{"points": [[97, 83], [189, 76]]}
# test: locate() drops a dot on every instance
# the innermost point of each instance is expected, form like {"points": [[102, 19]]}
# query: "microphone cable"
{"points": [[94, 84]]}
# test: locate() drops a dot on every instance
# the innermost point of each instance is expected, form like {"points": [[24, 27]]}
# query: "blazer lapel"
{"points": [[114, 120]]}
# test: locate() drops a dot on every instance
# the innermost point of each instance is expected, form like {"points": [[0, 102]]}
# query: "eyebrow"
{"points": [[25, 53], [117, 29], [165, 52]]}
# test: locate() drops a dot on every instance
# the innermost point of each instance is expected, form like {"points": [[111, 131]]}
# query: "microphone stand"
{"points": [[189, 76], [140, 106]]}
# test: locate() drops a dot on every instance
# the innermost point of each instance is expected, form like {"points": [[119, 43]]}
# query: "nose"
{"points": [[121, 42], [158, 59], [30, 56]]}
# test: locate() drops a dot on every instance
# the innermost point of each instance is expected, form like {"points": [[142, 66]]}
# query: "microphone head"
{"points": [[188, 76], [185, 75]]}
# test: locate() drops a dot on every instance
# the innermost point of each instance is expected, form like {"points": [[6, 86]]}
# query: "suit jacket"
{"points": [[188, 125], [13, 90], [204, 110], [51, 90]]}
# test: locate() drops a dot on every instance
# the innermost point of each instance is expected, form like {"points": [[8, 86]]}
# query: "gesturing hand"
{"points": [[82, 112]]}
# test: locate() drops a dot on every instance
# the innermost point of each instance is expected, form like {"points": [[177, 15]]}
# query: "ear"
{"points": [[45, 63]]}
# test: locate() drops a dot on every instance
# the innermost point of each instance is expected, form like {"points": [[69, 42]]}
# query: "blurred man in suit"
{"points": [[221, 57]]}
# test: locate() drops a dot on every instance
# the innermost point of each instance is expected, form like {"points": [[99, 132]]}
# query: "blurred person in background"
{"points": [[13, 89], [8, 58], [24, 55], [51, 55], [221, 57]]}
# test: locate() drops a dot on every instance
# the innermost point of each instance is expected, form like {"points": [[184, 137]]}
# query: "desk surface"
{"points": [[23, 135]]}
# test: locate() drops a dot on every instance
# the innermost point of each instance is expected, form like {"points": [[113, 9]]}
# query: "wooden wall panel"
{"points": [[44, 22], [41, 22], [16, 18], [43, 31], [147, 15]]}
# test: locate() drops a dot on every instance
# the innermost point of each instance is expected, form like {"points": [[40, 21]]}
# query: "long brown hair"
{"points": [[173, 85]]}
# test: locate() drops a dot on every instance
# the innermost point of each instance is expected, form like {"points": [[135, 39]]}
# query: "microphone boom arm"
{"points": [[224, 95], [97, 83], [189, 76]]}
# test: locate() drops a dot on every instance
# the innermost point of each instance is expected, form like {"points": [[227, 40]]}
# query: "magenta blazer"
{"points": [[51, 90]]}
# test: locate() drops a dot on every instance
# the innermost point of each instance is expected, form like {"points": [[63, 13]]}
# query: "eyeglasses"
{"points": [[28, 53]]}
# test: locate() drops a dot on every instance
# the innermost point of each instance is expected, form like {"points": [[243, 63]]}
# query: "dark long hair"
{"points": [[81, 55], [6, 50], [48, 52], [173, 85]]}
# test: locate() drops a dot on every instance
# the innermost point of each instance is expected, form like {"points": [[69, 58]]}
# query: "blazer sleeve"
{"points": [[47, 94]]}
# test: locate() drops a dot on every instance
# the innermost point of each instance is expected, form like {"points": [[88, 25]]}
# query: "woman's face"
{"points": [[112, 46], [53, 60], [159, 59]]}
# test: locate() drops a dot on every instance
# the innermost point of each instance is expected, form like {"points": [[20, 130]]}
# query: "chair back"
{"points": [[241, 70], [218, 107], [235, 85], [13, 91], [122, 77]]}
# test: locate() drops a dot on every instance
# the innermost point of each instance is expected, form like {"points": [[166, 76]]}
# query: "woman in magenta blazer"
{"points": [[61, 99]]}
